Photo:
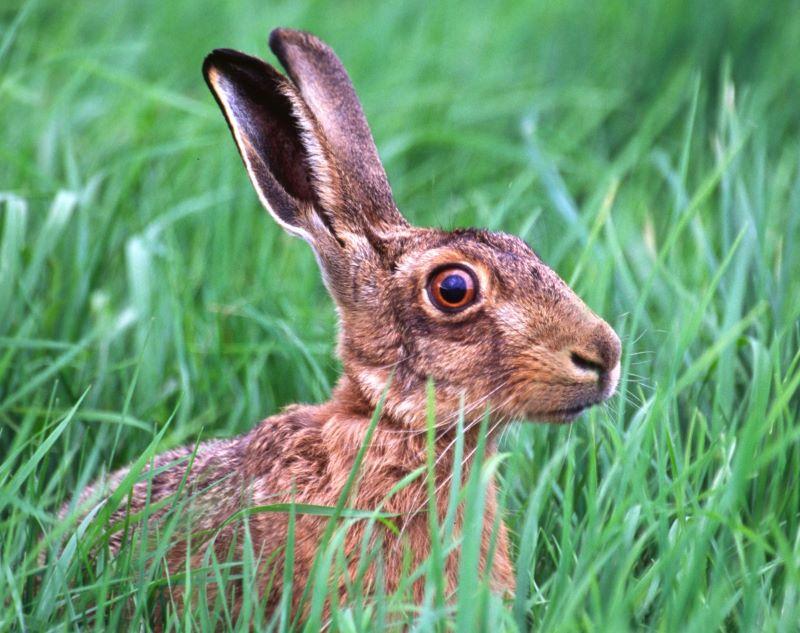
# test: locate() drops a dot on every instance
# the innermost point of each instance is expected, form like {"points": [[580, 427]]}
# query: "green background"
{"points": [[647, 150]]}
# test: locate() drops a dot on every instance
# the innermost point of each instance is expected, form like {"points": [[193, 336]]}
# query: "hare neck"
{"points": [[396, 434], [395, 452]]}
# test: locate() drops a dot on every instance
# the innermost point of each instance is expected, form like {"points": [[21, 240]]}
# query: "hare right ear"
{"points": [[325, 87], [291, 170]]}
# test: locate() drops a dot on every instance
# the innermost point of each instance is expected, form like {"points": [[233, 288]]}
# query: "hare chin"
{"points": [[569, 414], [562, 416], [565, 415]]}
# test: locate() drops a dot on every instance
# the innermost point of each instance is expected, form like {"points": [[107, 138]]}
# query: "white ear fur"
{"points": [[320, 162]]}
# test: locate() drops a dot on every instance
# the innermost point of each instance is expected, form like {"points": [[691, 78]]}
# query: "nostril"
{"points": [[587, 364]]}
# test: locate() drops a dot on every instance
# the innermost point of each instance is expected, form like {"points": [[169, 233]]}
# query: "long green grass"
{"points": [[650, 152]]}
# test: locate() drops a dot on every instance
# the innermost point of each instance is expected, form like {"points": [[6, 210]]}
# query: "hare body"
{"points": [[476, 311], [304, 455]]}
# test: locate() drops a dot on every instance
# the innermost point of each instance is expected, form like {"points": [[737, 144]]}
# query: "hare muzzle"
{"points": [[597, 360], [589, 371]]}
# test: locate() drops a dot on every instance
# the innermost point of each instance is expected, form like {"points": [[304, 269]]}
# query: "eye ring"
{"points": [[452, 288]]}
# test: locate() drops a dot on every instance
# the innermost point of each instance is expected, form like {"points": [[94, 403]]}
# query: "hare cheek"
{"points": [[513, 320]]}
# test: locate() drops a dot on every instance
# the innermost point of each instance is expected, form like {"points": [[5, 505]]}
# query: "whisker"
{"points": [[450, 476]]}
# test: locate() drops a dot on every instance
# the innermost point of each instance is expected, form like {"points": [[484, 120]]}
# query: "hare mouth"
{"points": [[563, 416]]}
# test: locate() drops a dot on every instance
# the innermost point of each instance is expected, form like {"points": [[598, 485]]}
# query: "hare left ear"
{"points": [[294, 169], [288, 163], [329, 94]]}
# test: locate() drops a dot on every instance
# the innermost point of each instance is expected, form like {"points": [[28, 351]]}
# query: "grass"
{"points": [[648, 151]]}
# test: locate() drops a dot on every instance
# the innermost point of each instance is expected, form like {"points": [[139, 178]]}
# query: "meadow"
{"points": [[650, 153]]}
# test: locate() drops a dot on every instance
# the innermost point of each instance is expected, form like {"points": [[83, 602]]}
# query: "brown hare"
{"points": [[477, 312]]}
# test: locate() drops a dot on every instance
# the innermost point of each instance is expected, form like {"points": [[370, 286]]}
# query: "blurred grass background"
{"points": [[648, 151]]}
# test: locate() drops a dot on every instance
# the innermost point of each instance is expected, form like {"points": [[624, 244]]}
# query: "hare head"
{"points": [[477, 311]]}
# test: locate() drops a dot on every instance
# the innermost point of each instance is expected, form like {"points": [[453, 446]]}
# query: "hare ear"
{"points": [[329, 95], [273, 130]]}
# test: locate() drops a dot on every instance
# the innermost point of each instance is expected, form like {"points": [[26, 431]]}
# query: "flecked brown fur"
{"points": [[527, 347]]}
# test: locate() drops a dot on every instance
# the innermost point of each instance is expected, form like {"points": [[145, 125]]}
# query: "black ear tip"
{"points": [[222, 55], [275, 41], [276, 36], [209, 62], [219, 57], [281, 37], [236, 64]]}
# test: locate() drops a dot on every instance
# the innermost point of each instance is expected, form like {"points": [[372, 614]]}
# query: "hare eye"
{"points": [[451, 288]]}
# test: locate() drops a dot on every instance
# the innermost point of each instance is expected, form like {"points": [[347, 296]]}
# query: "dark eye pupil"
{"points": [[453, 288]]}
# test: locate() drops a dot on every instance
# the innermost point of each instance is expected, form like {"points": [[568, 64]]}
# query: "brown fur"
{"points": [[526, 348]]}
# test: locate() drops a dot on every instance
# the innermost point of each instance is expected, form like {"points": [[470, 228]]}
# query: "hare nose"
{"points": [[599, 354]]}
